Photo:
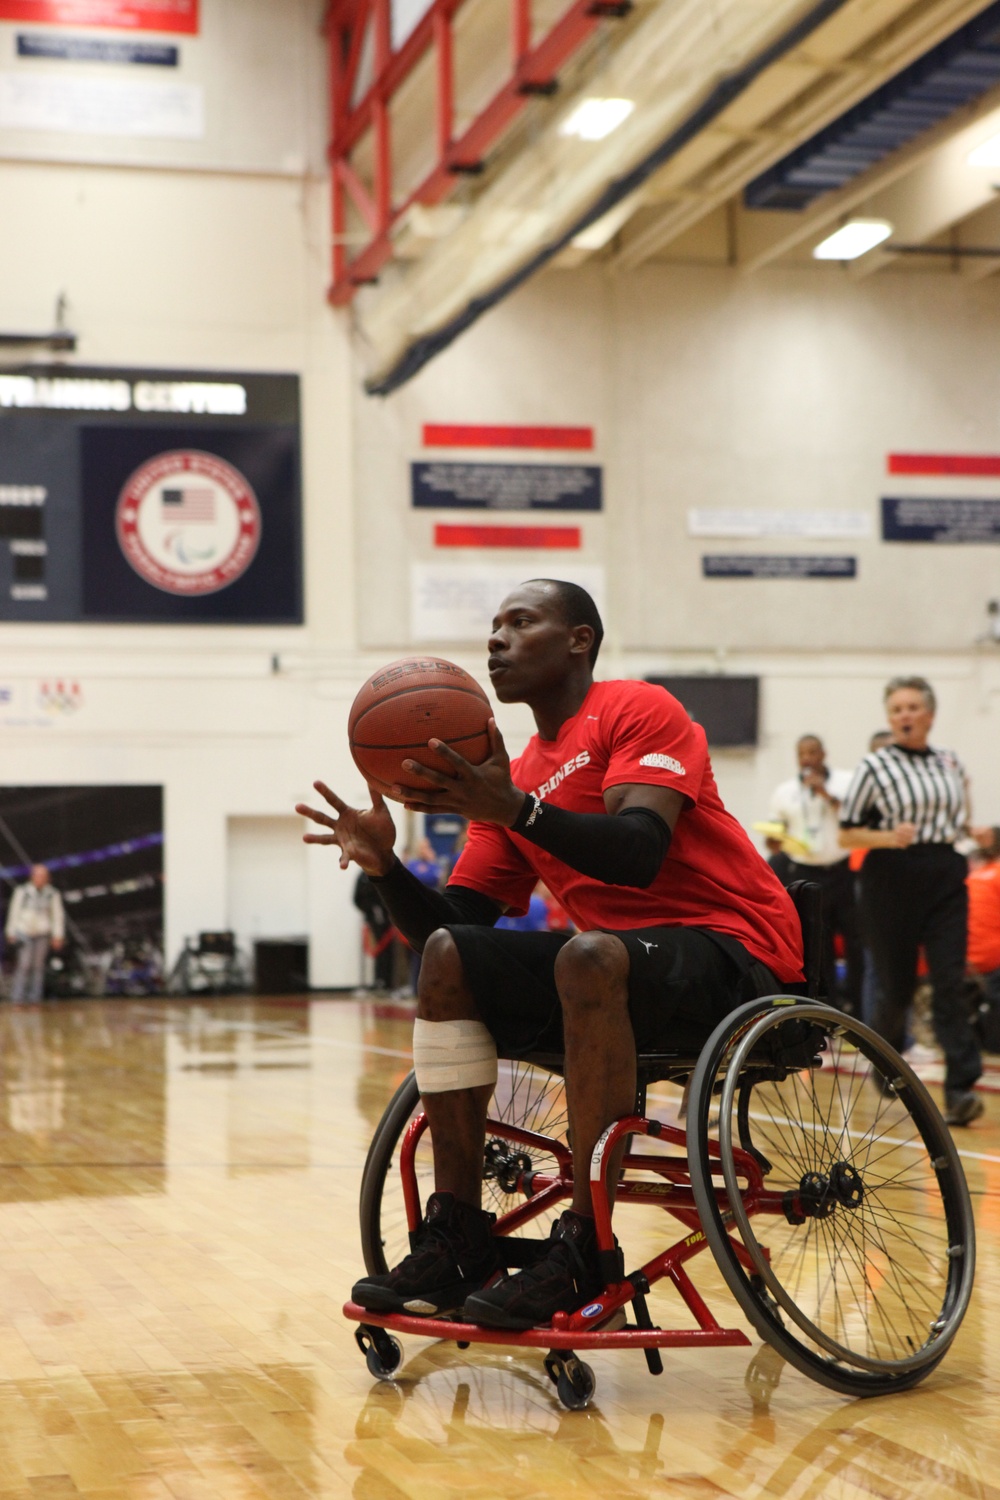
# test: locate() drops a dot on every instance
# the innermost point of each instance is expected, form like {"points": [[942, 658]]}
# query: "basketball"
{"points": [[405, 704]]}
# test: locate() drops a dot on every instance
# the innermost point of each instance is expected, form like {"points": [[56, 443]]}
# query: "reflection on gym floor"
{"points": [[178, 1201]]}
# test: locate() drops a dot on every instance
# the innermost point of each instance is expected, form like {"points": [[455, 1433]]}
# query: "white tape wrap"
{"points": [[453, 1055]]}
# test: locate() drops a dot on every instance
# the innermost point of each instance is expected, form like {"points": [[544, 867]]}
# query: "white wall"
{"points": [[783, 391]]}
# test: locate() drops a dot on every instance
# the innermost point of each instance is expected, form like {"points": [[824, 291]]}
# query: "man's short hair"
{"points": [[804, 737], [577, 608], [916, 685]]}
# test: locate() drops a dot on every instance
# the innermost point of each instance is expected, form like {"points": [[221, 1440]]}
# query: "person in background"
{"points": [[913, 890], [808, 807], [36, 922], [535, 919], [423, 863], [379, 931], [983, 957]]}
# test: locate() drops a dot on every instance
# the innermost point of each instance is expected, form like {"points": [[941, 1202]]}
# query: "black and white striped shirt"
{"points": [[894, 785]]}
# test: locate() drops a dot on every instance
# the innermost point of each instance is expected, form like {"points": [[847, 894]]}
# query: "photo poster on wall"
{"points": [[154, 496], [103, 847]]}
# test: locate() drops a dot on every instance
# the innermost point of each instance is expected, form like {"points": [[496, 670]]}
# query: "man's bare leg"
{"points": [[457, 1119], [591, 974]]}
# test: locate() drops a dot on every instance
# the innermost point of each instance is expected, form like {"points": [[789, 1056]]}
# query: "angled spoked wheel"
{"points": [[526, 1096], [858, 1262]]}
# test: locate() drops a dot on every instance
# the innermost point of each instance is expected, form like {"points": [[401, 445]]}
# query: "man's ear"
{"points": [[582, 640]]}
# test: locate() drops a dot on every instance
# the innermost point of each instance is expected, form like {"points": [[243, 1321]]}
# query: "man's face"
{"points": [[39, 876], [530, 646], [811, 755]]}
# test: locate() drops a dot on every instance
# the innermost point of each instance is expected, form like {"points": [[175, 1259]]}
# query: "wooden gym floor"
{"points": [[178, 1232]]}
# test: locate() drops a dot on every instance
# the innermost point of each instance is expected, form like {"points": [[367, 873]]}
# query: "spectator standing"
{"points": [[422, 863], [913, 889], [808, 807], [983, 885], [36, 922], [379, 931]]}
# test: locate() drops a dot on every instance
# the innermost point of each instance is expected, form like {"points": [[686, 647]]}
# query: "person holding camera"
{"points": [[808, 808]]}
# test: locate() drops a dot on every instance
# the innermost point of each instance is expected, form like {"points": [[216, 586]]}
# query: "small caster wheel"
{"points": [[462, 1344], [383, 1363], [576, 1385], [383, 1354]]}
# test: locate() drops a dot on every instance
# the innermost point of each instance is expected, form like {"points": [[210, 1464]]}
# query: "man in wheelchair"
{"points": [[614, 806]]}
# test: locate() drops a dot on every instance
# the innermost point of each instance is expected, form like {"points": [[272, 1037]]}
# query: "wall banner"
{"points": [[457, 601], [920, 519], [507, 486], [55, 46], [742, 565], [819, 525], [149, 495], [177, 16]]}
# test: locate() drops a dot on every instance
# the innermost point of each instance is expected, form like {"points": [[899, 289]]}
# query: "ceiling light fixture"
{"points": [[852, 239], [593, 119], [987, 154]]}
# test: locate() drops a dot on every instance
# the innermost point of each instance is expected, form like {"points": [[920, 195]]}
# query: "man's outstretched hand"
{"points": [[484, 792], [366, 836]]}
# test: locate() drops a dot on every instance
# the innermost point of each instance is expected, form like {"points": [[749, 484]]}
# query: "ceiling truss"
{"points": [[367, 74]]}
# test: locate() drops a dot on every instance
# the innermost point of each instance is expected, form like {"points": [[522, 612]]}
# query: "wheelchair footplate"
{"points": [[603, 1322]]}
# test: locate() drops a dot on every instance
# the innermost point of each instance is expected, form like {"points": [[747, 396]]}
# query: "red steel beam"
{"points": [[534, 69]]}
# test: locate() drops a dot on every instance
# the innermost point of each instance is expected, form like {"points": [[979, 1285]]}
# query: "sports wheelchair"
{"points": [[815, 1166]]}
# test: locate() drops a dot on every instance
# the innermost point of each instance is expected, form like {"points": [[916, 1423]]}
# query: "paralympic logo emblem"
{"points": [[188, 522]]}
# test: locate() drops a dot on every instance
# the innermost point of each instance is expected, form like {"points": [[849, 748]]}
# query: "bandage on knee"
{"points": [[453, 1055]]}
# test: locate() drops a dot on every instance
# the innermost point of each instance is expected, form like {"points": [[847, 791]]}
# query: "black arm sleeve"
{"points": [[627, 848], [417, 910]]}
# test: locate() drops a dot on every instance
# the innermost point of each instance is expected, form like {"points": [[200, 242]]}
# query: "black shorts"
{"points": [[681, 984]]}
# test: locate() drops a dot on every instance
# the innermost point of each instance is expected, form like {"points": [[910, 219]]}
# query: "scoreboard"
{"points": [[149, 496]]}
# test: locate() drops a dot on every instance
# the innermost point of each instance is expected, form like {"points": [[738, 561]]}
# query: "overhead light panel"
{"points": [[855, 238], [987, 154], [593, 119]]}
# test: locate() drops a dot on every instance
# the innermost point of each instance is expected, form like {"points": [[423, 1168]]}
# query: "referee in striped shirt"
{"points": [[907, 803]]}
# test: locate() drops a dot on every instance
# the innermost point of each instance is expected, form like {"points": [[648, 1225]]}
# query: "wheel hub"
{"points": [[820, 1194], [505, 1166]]}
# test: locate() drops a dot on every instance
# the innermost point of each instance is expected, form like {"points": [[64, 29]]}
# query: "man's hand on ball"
{"points": [[484, 792], [365, 835]]}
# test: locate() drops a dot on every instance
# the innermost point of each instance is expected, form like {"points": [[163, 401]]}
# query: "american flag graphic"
{"points": [[188, 505]]}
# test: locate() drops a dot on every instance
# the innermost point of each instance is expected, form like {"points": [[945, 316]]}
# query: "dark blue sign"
{"points": [[131, 495], [777, 565], [547, 487], [915, 519], [94, 49]]}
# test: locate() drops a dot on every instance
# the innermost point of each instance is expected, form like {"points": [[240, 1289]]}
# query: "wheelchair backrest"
{"points": [[807, 898]]}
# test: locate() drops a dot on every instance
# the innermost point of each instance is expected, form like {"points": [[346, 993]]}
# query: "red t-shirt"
{"points": [[983, 953], [628, 732]]}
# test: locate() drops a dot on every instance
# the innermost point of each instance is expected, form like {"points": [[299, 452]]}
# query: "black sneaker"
{"points": [[454, 1255], [567, 1278], [962, 1106]]}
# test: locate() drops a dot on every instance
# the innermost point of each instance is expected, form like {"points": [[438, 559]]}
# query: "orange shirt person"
{"points": [[983, 883]]}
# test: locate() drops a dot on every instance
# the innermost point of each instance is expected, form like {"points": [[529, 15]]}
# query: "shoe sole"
{"points": [[967, 1116], [488, 1316], [383, 1300]]}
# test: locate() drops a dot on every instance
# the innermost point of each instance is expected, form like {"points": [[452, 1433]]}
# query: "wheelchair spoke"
{"points": [[867, 1260]]}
